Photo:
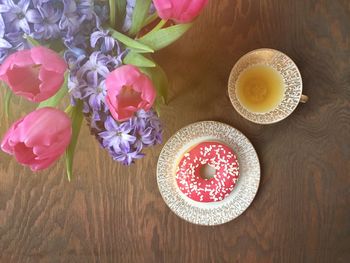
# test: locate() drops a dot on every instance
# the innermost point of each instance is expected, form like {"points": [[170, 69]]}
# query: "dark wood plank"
{"points": [[110, 213]]}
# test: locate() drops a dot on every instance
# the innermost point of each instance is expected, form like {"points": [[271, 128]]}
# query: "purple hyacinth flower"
{"points": [[2, 27], [17, 16], [97, 119], [148, 128], [17, 41], [76, 86], [130, 5], [125, 141], [145, 137], [117, 135], [4, 44], [96, 65], [96, 95], [46, 24], [76, 43], [126, 155], [101, 13], [107, 42], [86, 8], [116, 61], [142, 117], [74, 56], [157, 128], [70, 19], [139, 119]]}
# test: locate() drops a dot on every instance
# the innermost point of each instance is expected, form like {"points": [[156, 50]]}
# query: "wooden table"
{"points": [[111, 213]]}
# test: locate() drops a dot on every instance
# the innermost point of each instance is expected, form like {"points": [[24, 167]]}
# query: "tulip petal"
{"points": [[20, 59], [38, 139], [42, 164], [128, 90], [181, 7], [110, 104], [23, 154], [50, 60], [44, 125], [24, 78], [164, 8], [126, 76], [192, 11], [129, 97], [125, 114], [181, 11], [36, 74], [51, 82], [5, 143], [148, 93], [54, 150]]}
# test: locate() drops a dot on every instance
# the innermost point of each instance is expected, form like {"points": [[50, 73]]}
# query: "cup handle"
{"points": [[304, 98]]}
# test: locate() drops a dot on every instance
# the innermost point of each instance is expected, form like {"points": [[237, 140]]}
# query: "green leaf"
{"points": [[138, 60], [139, 15], [55, 99], [160, 81], [129, 42], [120, 13], [31, 41], [7, 98], [164, 37], [112, 12], [77, 120]]}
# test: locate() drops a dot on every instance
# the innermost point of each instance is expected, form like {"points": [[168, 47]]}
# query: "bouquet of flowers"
{"points": [[98, 52]]}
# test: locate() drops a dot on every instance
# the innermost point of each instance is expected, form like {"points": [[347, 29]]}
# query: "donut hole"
{"points": [[207, 172]]}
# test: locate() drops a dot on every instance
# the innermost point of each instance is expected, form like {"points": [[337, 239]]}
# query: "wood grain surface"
{"points": [[111, 213]]}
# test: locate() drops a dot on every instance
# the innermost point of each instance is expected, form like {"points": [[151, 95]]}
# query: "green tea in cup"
{"points": [[260, 88]]}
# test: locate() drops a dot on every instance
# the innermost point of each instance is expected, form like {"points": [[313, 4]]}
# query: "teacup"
{"points": [[287, 69]]}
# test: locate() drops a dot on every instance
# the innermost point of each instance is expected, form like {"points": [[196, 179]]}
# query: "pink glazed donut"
{"points": [[219, 157]]}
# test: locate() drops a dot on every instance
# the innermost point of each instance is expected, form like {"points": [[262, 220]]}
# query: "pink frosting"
{"points": [[219, 157]]}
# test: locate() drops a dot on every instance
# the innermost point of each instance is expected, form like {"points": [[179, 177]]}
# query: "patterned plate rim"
{"points": [[214, 213]]}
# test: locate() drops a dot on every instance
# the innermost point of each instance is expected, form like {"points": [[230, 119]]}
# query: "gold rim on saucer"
{"points": [[291, 77], [214, 213]]}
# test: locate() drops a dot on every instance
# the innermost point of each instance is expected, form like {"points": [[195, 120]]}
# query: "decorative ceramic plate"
{"points": [[291, 77], [210, 213]]}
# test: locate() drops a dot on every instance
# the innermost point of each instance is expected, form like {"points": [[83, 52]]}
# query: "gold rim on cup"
{"points": [[291, 77]]}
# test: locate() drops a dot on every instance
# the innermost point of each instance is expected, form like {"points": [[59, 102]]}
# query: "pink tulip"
{"points": [[38, 139], [181, 11], [36, 74], [128, 90]]}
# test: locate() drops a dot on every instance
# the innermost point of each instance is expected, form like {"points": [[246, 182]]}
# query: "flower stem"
{"points": [[157, 27], [112, 11], [31, 41], [7, 99], [68, 109], [150, 19]]}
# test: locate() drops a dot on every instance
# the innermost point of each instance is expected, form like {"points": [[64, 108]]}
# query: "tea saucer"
{"points": [[214, 213], [291, 78]]}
